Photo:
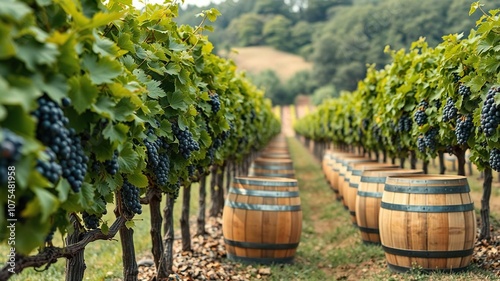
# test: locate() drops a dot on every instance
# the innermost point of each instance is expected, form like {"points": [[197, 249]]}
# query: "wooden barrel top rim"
{"points": [[264, 193], [427, 208], [274, 181], [423, 189]]}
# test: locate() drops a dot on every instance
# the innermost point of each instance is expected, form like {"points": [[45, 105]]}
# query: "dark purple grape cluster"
{"points": [[495, 159], [10, 152], [490, 113], [464, 91], [464, 128], [131, 197], [420, 116], [437, 104], [158, 159], [187, 143], [376, 133], [50, 169], [404, 123], [450, 112], [52, 131], [214, 103], [456, 78], [91, 221], [421, 143], [112, 164], [430, 138]]}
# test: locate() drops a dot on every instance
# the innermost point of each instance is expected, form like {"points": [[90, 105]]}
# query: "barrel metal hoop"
{"points": [[352, 213], [259, 260], [427, 189], [263, 246], [414, 180], [428, 208], [369, 229], [428, 254], [263, 207], [342, 174], [370, 194], [373, 179], [273, 167], [403, 269], [357, 172], [265, 182], [263, 193], [353, 184]]}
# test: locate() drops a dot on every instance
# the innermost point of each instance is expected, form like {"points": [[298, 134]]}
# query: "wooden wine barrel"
{"points": [[335, 173], [275, 153], [345, 174], [265, 167], [351, 182], [262, 220], [368, 197], [428, 221]]}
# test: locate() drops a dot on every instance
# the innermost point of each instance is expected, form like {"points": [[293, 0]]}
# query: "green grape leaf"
{"points": [[176, 101], [212, 14], [63, 189], [130, 224], [103, 70], [14, 9], [124, 110], [154, 90], [55, 86], [116, 133], [176, 47], [48, 203], [33, 53], [138, 179], [7, 45], [20, 121], [105, 106], [83, 92], [22, 92], [125, 42], [105, 228], [128, 160], [30, 235], [104, 46], [173, 69]]}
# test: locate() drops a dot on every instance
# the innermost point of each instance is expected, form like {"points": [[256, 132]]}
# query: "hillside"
{"points": [[259, 58]]}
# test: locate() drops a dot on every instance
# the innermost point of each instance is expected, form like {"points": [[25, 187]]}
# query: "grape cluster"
{"points": [[490, 113], [10, 152], [420, 116], [91, 221], [53, 132], [158, 159], [450, 112], [112, 164], [437, 104], [456, 78], [430, 138], [421, 143], [404, 123], [50, 169], [464, 128], [131, 197], [187, 144], [464, 91], [214, 103], [495, 159], [191, 170]]}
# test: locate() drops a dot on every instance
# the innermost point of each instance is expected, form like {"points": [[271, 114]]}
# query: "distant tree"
{"points": [[324, 93], [301, 83], [317, 10], [276, 33], [269, 81], [271, 7], [247, 30], [301, 35]]}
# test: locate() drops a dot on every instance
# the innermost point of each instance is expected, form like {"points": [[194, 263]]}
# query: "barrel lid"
{"points": [[425, 179], [265, 181]]}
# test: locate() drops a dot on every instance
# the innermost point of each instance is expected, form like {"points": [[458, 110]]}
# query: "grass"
{"points": [[330, 247]]}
